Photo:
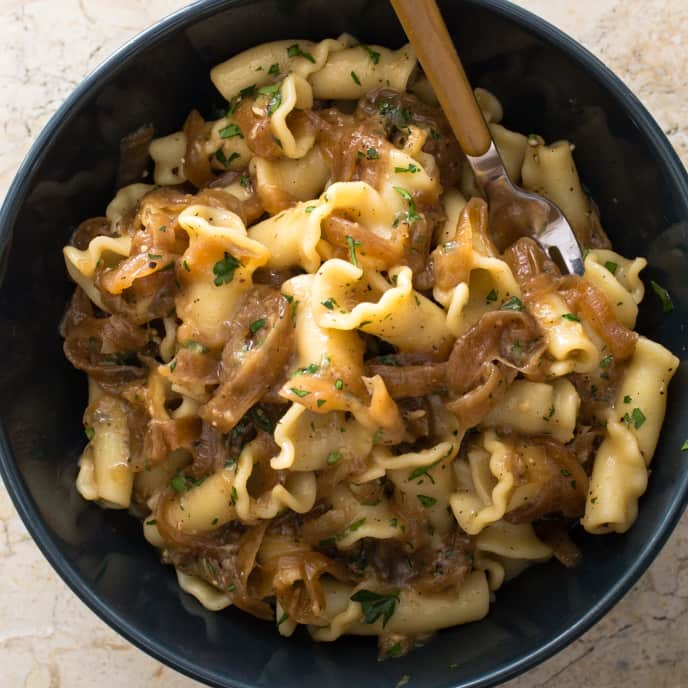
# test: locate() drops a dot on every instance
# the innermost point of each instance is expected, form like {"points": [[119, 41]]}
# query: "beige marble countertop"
{"points": [[48, 638]]}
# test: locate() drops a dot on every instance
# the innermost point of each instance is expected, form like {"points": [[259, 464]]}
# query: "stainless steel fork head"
{"points": [[515, 213]]}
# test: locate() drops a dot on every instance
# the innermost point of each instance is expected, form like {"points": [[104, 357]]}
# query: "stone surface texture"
{"points": [[48, 638]]}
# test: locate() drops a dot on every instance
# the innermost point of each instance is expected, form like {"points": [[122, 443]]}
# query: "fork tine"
{"points": [[560, 243]]}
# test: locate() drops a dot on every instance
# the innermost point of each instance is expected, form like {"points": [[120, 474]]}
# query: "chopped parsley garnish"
{"points": [[309, 209], [221, 157], [154, 256], [338, 383], [611, 266], [178, 483], [389, 360], [684, 447], [282, 618], [513, 304], [333, 457], [636, 417], [224, 269], [186, 265], [353, 244], [372, 154], [163, 228], [230, 131], [550, 413], [395, 650], [274, 103], [269, 90], [152, 522], [374, 55], [173, 365], [248, 91], [627, 399], [257, 325], [233, 495], [571, 316], [421, 471], [295, 51], [491, 296], [663, 294], [412, 214], [329, 303], [310, 369], [606, 361], [274, 69], [434, 134], [426, 501], [90, 432], [376, 605], [401, 114], [354, 76], [300, 392], [356, 525], [261, 420], [321, 402], [196, 347], [411, 168]]}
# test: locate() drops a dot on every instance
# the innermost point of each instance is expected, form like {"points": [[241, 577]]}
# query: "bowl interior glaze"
{"points": [[548, 84]]}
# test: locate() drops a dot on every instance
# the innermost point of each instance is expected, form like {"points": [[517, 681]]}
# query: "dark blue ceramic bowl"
{"points": [[548, 84]]}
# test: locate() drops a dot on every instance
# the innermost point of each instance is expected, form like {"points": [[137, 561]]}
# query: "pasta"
{"points": [[329, 397]]}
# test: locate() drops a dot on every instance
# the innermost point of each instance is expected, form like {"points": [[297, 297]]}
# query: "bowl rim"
{"points": [[18, 490]]}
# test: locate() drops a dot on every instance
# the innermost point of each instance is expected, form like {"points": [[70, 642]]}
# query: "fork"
{"points": [[513, 212]]}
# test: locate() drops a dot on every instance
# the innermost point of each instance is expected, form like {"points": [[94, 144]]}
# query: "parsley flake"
{"points": [[376, 605], [571, 316], [295, 51], [374, 55], [257, 325], [663, 295], [230, 131], [178, 484], [611, 266], [354, 76], [333, 456], [353, 244], [224, 269], [426, 501], [300, 392], [196, 347], [411, 168], [513, 304], [274, 69], [636, 417], [606, 361], [491, 296], [412, 214]]}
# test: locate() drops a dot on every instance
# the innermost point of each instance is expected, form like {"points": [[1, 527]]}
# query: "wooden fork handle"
{"points": [[425, 28]]}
